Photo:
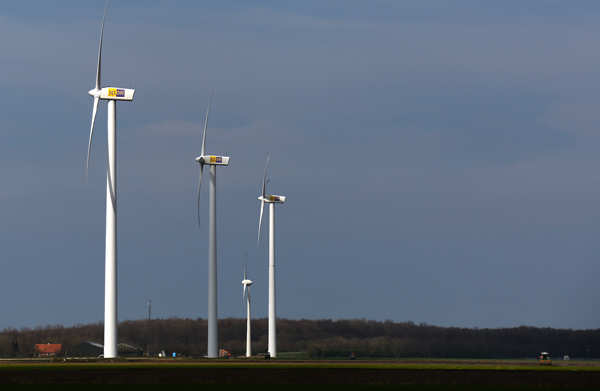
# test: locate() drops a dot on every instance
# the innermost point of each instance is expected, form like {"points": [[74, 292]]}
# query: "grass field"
{"points": [[302, 375]]}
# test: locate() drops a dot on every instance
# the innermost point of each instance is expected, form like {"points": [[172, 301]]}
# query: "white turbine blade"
{"points": [[265, 177], [94, 110], [206, 122], [199, 185], [245, 275], [248, 298], [262, 208], [246, 269], [100, 49]]}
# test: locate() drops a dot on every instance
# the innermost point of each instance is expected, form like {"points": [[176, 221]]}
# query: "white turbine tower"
{"points": [[246, 282], [272, 200], [213, 161], [111, 94]]}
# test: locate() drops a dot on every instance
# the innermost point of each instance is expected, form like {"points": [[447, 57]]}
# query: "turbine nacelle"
{"points": [[95, 93], [213, 160], [275, 199], [113, 93], [247, 282]]}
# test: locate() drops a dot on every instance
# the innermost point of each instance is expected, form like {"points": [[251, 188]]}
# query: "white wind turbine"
{"points": [[213, 161], [272, 200], [246, 282], [111, 94]]}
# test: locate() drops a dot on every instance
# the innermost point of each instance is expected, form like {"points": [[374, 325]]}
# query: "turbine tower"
{"points": [[246, 282], [213, 161], [272, 200], [112, 94]]}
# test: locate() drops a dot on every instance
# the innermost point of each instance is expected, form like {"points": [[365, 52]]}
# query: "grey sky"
{"points": [[439, 159]]}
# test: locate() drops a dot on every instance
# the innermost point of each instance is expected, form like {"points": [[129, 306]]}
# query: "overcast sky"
{"points": [[440, 159]]}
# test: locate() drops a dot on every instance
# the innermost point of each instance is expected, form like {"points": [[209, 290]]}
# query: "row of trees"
{"points": [[318, 338]]}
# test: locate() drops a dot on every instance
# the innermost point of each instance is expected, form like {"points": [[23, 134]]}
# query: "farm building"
{"points": [[48, 349], [93, 349], [128, 350], [85, 349]]}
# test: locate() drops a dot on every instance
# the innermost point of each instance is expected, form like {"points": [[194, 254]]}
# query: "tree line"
{"points": [[318, 338]]}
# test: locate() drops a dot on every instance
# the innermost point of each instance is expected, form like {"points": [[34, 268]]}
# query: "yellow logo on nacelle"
{"points": [[116, 92], [273, 198], [216, 159]]}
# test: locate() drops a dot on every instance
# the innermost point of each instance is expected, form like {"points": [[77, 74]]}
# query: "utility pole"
{"points": [[149, 326]]}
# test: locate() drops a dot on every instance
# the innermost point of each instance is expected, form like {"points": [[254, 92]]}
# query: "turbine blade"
{"points": [[199, 185], [94, 110], [246, 269], [244, 293], [262, 208], [265, 177], [206, 122], [100, 50]]}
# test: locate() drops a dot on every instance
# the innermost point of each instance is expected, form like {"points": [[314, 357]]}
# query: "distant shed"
{"points": [[128, 350], [85, 349]]}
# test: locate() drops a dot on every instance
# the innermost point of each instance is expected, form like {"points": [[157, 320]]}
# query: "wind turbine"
{"points": [[272, 200], [246, 282], [112, 94], [213, 161]]}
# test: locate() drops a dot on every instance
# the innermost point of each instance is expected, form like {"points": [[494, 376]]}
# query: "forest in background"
{"points": [[318, 338]]}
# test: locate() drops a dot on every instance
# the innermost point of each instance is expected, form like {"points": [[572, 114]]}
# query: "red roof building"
{"points": [[48, 349]]}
